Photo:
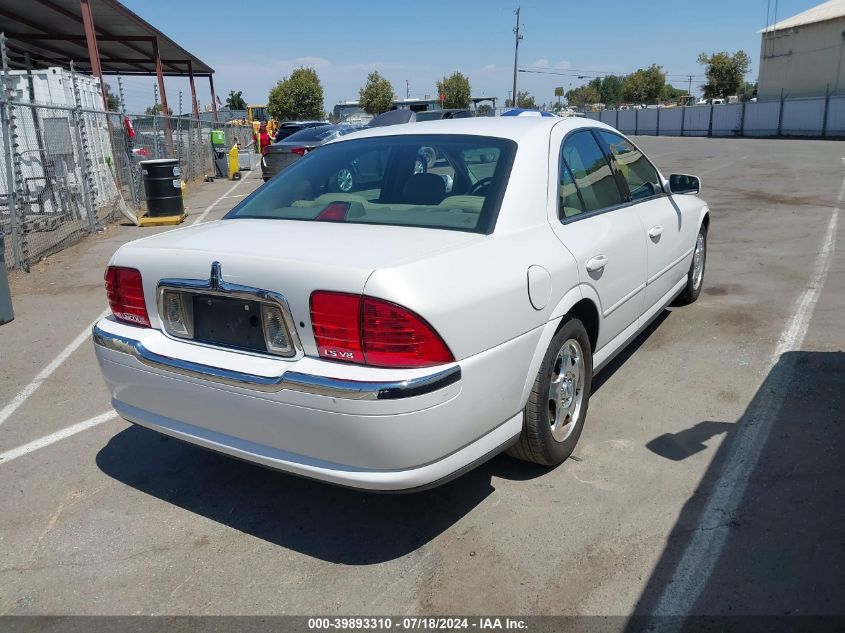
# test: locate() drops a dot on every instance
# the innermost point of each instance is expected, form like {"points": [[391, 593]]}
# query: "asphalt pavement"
{"points": [[708, 478]]}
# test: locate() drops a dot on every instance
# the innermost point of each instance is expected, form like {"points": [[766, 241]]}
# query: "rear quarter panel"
{"points": [[476, 297]]}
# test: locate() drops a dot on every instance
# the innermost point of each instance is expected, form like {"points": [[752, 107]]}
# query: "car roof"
{"points": [[292, 123], [514, 128]]}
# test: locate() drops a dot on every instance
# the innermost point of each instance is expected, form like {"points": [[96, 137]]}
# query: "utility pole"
{"points": [[689, 90], [407, 89], [517, 37]]}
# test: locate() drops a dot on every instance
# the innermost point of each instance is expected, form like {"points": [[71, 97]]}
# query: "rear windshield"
{"points": [[430, 115], [314, 133], [439, 181]]}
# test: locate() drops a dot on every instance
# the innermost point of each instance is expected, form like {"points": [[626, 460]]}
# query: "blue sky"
{"points": [[251, 45]]}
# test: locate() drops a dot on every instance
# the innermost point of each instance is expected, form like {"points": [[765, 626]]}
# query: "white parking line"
{"points": [[45, 373], [20, 451], [704, 548], [26, 392], [202, 216]]}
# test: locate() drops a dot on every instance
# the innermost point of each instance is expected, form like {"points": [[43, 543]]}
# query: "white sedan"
{"points": [[394, 334]]}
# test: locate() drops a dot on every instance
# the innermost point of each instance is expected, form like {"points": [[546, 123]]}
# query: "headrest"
{"points": [[424, 189]]}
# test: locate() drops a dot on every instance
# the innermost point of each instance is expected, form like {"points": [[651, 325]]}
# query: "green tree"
{"points": [[484, 110], [747, 90], [377, 95], [725, 73], [113, 103], [670, 93], [299, 96], [644, 85], [610, 90], [235, 100], [455, 90], [524, 99], [583, 96], [158, 109]]}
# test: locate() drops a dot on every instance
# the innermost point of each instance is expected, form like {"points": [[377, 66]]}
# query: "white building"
{"points": [[802, 56]]}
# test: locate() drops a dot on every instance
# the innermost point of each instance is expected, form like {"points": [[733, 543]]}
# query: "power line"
{"points": [[591, 74]]}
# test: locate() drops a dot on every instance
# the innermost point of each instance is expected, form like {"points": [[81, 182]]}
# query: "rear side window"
{"points": [[592, 175], [640, 175], [313, 134]]}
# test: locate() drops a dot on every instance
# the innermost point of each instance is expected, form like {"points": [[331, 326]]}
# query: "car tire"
{"points": [[695, 276], [430, 156], [345, 180], [554, 415]]}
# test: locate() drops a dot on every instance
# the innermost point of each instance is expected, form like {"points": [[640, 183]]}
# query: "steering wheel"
{"points": [[478, 187]]}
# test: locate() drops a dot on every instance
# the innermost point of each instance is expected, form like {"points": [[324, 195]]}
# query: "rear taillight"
{"points": [[396, 337], [300, 151], [125, 291], [360, 329], [335, 319]]}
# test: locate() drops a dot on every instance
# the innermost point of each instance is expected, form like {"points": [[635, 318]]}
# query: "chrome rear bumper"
{"points": [[289, 380]]}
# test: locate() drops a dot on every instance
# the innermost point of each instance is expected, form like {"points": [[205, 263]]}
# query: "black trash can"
{"points": [[6, 313], [163, 186]]}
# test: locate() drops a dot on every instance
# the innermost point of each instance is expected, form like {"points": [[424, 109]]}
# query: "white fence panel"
{"points": [[670, 121], [647, 121], [627, 121], [697, 120], [798, 117], [761, 118], [803, 117], [836, 117], [727, 119], [608, 116]]}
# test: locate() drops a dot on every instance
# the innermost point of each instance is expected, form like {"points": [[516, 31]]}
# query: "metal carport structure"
{"points": [[101, 37]]}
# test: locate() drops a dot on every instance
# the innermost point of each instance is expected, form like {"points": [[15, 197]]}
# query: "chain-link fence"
{"points": [[182, 137], [69, 166], [46, 174]]}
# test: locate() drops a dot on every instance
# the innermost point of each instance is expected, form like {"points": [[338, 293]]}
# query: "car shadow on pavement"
{"points": [[783, 551], [607, 372], [328, 522]]}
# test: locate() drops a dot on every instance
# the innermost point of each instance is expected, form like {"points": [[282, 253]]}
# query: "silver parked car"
{"points": [[279, 155]]}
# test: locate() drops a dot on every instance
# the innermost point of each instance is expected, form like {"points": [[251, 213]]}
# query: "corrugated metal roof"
{"points": [[52, 32], [829, 10]]}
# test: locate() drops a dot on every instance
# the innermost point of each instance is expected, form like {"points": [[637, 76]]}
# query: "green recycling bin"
{"points": [[219, 153], [6, 313]]}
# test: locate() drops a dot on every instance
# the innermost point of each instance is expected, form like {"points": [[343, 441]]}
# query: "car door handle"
{"points": [[655, 231], [597, 263]]}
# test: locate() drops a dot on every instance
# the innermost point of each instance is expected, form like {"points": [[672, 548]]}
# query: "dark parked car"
{"points": [[436, 115], [292, 127], [283, 153]]}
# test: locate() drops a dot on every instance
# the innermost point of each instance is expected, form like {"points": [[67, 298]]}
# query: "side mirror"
{"points": [[682, 183]]}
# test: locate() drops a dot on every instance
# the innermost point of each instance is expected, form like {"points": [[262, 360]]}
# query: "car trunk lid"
{"points": [[287, 257]]}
